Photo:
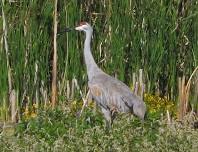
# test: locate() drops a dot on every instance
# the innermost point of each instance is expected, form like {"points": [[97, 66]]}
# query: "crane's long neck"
{"points": [[91, 65]]}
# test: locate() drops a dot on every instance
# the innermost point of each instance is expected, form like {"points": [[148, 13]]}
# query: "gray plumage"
{"points": [[109, 93]]}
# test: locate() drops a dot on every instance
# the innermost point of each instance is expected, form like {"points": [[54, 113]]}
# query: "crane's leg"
{"points": [[108, 119], [114, 112]]}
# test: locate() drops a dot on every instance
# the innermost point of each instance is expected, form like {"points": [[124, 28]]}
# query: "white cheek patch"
{"points": [[80, 28]]}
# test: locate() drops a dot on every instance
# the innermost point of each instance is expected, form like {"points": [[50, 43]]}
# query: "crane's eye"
{"points": [[82, 23]]}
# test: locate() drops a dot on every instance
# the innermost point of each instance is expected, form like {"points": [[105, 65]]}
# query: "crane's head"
{"points": [[84, 26]]}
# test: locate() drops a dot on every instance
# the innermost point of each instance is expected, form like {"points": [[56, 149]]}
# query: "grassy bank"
{"points": [[61, 130], [159, 37]]}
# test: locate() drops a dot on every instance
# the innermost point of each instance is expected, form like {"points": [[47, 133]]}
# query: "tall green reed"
{"points": [[129, 35]]}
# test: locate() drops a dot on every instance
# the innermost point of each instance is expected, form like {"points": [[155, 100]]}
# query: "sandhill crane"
{"points": [[110, 94]]}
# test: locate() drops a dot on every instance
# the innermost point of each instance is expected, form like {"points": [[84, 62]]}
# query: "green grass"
{"points": [[61, 130]]}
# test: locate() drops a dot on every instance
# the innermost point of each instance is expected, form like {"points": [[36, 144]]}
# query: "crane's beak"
{"points": [[67, 29]]}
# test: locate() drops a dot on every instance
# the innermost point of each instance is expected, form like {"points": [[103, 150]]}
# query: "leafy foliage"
{"points": [[156, 104], [60, 130]]}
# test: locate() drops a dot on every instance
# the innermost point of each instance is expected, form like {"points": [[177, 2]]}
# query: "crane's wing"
{"points": [[98, 94], [112, 93]]}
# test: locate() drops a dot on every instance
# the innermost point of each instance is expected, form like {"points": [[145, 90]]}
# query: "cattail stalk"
{"points": [[6, 49], [54, 66]]}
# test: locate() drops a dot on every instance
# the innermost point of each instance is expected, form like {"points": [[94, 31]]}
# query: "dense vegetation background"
{"points": [[154, 43], [160, 37]]}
